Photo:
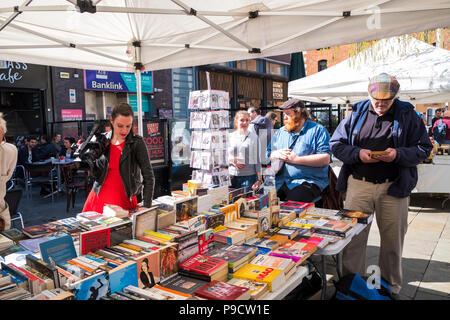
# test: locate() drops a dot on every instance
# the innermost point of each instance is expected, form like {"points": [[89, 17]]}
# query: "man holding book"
{"points": [[380, 143], [300, 153]]}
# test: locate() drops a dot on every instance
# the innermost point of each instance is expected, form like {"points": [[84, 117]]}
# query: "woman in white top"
{"points": [[8, 160], [243, 154]]}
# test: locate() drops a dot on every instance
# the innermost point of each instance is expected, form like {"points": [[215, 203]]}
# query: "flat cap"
{"points": [[383, 87], [292, 103]]}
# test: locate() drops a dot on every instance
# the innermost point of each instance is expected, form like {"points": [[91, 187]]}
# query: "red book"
{"points": [[218, 290], [95, 240], [203, 264], [296, 206]]}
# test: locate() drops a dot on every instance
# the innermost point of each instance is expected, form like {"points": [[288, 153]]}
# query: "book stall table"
{"points": [[294, 281], [335, 249], [434, 177]]}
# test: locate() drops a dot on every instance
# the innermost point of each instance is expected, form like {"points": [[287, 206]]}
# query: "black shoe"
{"points": [[395, 296]]}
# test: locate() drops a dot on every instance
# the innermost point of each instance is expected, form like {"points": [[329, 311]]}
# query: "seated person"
{"points": [[28, 153], [46, 149], [304, 148], [66, 150]]}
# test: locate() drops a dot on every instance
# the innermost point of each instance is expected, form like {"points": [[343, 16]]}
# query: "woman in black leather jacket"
{"points": [[118, 170]]}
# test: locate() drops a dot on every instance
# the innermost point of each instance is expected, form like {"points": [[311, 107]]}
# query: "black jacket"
{"points": [[22, 156], [46, 151], [133, 162]]}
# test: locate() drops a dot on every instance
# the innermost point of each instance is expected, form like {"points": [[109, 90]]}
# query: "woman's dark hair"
{"points": [[122, 109]]}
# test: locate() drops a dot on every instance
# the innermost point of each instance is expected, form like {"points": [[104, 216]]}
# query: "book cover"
{"points": [[185, 208], [257, 289], [214, 220], [89, 215], [229, 235], [120, 232], [273, 262], [296, 251], [233, 257], [236, 194], [58, 250], [33, 244], [205, 240], [296, 206], [169, 294], [262, 243], [203, 265], [230, 211], [364, 218], [122, 276], [187, 245], [94, 240], [273, 277], [218, 290], [183, 284], [144, 220], [91, 288], [36, 231], [13, 234], [169, 261]]}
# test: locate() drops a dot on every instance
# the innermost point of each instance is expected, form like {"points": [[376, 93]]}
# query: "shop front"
{"points": [[23, 98]]}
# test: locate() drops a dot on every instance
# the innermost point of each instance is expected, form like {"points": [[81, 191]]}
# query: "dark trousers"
{"points": [[306, 192]]}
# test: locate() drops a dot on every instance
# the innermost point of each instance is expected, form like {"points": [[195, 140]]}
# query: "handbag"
{"points": [[277, 164]]}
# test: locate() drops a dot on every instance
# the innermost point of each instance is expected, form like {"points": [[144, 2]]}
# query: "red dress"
{"points": [[112, 190]]}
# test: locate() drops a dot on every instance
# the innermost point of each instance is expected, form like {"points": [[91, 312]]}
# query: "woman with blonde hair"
{"points": [[8, 160], [243, 154]]}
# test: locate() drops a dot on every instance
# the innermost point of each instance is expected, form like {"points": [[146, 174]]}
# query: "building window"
{"points": [[182, 84], [250, 65], [322, 65], [277, 69]]}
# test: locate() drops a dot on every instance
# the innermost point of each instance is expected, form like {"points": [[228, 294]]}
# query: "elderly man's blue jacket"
{"points": [[410, 140]]}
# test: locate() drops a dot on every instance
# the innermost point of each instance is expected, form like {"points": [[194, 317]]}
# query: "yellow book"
{"points": [[158, 235], [299, 225], [273, 277]]}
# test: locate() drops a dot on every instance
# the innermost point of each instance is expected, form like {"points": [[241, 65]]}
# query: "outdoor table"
{"points": [[58, 164], [335, 249]]}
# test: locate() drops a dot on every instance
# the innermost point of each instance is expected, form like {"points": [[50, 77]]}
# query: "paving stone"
{"points": [[437, 278]]}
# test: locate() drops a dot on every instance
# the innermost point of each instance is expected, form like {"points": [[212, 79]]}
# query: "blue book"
{"points": [[58, 250], [33, 244], [122, 276], [262, 251], [91, 288]]}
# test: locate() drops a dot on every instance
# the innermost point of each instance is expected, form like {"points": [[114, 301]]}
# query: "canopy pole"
{"points": [[139, 101], [138, 67]]}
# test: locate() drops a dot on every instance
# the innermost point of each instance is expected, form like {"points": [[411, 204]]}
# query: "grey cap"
{"points": [[292, 103]]}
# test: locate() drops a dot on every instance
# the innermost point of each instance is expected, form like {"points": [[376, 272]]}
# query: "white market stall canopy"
{"points": [[103, 35], [422, 70]]}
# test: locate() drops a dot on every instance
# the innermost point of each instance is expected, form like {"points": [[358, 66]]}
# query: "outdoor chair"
{"points": [[12, 198], [41, 173], [75, 180]]}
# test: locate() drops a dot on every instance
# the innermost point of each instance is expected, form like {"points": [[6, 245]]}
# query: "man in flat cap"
{"points": [[380, 143], [303, 150]]}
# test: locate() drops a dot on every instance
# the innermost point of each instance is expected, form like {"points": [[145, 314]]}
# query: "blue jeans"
{"points": [[243, 181]]}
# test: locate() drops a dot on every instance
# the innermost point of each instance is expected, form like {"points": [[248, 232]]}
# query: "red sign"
{"points": [[71, 114]]}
